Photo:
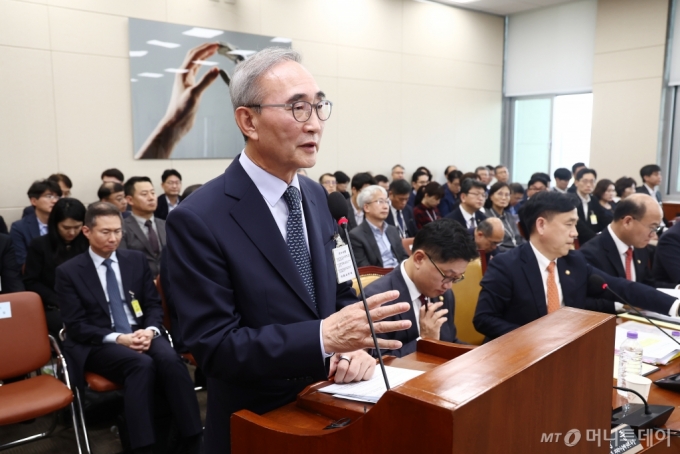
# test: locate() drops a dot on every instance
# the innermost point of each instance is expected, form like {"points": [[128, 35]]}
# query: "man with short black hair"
{"points": [[172, 187], [142, 231], [43, 194], [419, 179], [112, 176], [483, 174], [114, 193], [516, 197], [562, 177], [574, 169], [341, 182], [327, 180], [400, 214], [592, 218], [472, 197], [442, 250], [501, 173], [397, 172], [375, 242], [450, 201], [355, 215], [651, 180], [113, 319], [545, 274], [382, 181], [621, 248]]}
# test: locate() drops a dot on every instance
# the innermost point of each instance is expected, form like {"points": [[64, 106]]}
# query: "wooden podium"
{"points": [[509, 395]]}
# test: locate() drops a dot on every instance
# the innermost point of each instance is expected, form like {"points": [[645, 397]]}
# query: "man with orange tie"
{"points": [[545, 274], [621, 249]]}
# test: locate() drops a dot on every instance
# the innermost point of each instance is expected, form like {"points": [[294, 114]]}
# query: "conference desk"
{"points": [[510, 407]]}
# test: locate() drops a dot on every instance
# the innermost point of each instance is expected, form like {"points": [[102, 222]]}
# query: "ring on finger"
{"points": [[346, 358]]}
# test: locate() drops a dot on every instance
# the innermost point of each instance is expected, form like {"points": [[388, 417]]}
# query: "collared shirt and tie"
{"points": [[42, 227], [551, 281], [470, 220], [398, 216], [625, 254], [149, 228]]}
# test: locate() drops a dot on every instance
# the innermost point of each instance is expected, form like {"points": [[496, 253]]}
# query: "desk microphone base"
{"points": [[636, 418]]}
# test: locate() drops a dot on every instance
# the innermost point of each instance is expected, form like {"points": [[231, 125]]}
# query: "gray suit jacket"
{"points": [[366, 250], [135, 238]]}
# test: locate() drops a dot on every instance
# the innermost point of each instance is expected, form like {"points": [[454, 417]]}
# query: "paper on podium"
{"points": [[371, 390]]}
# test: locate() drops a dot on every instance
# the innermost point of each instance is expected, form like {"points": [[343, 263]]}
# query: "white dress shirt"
{"points": [[170, 205], [358, 214], [101, 273], [584, 203], [468, 217], [42, 227], [395, 216], [543, 263], [413, 294], [142, 225], [622, 248]]}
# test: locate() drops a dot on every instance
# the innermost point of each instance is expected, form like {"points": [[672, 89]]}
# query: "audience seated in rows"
{"points": [[472, 197]]}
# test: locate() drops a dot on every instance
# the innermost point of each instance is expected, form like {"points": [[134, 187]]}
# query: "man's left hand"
{"points": [[360, 367], [143, 337]]}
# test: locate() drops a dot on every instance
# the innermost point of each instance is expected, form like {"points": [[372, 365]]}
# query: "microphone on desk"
{"points": [[337, 204], [597, 284]]}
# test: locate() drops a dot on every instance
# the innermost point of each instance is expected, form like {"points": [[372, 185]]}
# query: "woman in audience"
{"points": [[624, 187], [64, 240], [496, 206], [605, 192], [426, 202]]}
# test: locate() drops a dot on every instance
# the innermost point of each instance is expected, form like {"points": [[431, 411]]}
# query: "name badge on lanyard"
{"points": [[342, 259]]}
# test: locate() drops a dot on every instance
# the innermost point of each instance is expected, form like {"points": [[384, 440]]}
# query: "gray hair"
{"points": [[244, 88], [367, 194]]}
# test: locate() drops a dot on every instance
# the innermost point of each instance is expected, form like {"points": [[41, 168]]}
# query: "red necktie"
{"points": [[629, 263], [423, 301]]}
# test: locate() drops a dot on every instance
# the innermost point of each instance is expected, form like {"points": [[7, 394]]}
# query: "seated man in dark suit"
{"points": [[621, 249], [419, 179], [375, 242], [10, 272], [113, 318], [43, 195], [472, 197], [451, 192], [591, 215], [651, 182], [488, 235], [171, 181], [64, 183], [667, 256], [544, 274], [441, 252], [574, 170], [142, 231], [401, 214], [114, 193], [355, 215]]}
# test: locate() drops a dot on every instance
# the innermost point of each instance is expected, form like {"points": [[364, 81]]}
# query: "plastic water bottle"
{"points": [[630, 358]]}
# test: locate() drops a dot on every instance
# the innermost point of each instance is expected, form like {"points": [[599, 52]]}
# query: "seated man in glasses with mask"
{"points": [[441, 252]]}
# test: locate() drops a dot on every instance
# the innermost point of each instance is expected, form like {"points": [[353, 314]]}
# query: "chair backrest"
{"points": [[408, 244], [24, 345], [369, 274], [467, 294], [484, 262]]}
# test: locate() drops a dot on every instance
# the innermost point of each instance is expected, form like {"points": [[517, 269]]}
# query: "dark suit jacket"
{"points": [[28, 211], [3, 226], [667, 257], [512, 291], [135, 238], [351, 219], [395, 281], [411, 199], [10, 271], [365, 247], [585, 228], [409, 221], [601, 253], [41, 268], [449, 202], [244, 310], [162, 207], [85, 309], [23, 231], [456, 215]]}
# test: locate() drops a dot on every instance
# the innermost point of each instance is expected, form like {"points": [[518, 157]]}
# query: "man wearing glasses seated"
{"points": [[441, 252], [472, 197], [375, 242]]}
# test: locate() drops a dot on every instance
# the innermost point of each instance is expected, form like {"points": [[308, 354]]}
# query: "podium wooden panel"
{"points": [[550, 376]]}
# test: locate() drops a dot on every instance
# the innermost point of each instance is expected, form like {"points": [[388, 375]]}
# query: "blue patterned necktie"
{"points": [[295, 238], [120, 320]]}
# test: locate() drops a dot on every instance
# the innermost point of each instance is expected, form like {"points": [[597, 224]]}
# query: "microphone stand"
{"points": [[343, 223]]}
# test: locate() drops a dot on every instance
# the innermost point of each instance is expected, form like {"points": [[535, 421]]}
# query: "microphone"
{"points": [[337, 204], [641, 417]]}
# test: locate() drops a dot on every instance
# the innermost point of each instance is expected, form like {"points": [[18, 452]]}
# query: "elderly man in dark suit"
{"points": [[143, 231], [441, 252], [621, 249], [10, 272], [250, 258], [375, 242], [401, 214], [544, 274], [472, 197], [113, 319]]}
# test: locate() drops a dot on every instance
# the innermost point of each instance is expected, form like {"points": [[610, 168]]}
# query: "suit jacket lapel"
{"points": [[91, 280], [137, 231], [370, 239], [252, 214], [316, 251], [568, 283], [161, 232], [612, 252], [534, 278], [126, 276], [640, 263], [398, 283]]}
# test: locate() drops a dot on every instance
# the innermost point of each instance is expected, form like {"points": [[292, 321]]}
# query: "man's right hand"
{"points": [[132, 341], [347, 330], [431, 320]]}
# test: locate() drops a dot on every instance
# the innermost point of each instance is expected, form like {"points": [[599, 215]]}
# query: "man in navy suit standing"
{"points": [[113, 317], [441, 252], [544, 274], [251, 263]]}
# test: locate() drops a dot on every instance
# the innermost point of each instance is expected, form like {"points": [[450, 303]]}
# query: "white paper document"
{"points": [[371, 390], [657, 348]]}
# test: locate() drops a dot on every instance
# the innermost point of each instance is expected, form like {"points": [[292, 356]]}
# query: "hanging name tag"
{"points": [[593, 219], [137, 308], [344, 269]]}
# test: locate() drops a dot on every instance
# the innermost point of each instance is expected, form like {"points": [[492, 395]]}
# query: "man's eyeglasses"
{"points": [[477, 194], [658, 229], [51, 196], [381, 202], [445, 278], [302, 110]]}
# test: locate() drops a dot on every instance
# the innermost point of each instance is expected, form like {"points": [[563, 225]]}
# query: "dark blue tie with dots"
{"points": [[295, 238]]}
